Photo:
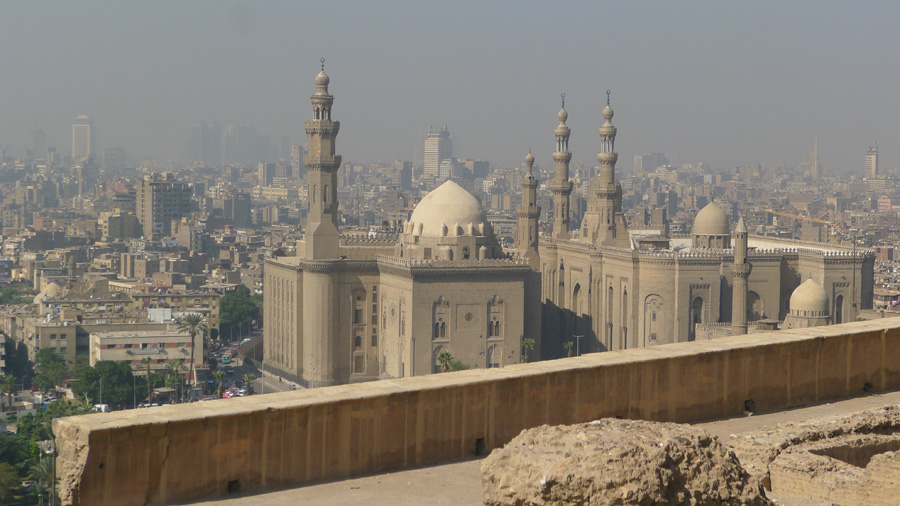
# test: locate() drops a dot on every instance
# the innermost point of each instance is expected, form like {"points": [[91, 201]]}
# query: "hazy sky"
{"points": [[723, 82]]}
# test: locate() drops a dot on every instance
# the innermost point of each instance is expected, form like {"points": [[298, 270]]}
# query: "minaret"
{"points": [[609, 198], [528, 214], [815, 160], [740, 272], [560, 186], [322, 239]]}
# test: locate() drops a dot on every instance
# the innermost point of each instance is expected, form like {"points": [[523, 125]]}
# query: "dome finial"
{"points": [[607, 97], [563, 95], [322, 60]]}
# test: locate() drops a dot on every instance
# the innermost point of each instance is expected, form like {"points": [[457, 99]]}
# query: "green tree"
{"points": [[176, 379], [9, 483], [114, 378], [220, 377], [50, 368], [248, 378], [147, 361], [193, 324], [10, 295], [528, 345], [236, 311], [7, 382], [458, 365], [568, 345]]}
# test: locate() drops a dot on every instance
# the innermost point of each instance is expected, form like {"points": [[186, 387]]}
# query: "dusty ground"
{"points": [[460, 483]]}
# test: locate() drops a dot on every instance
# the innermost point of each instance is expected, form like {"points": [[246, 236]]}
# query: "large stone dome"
{"points": [[711, 220], [809, 299], [447, 206]]}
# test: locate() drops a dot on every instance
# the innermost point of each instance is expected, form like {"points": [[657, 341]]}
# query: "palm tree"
{"points": [[193, 324], [247, 379], [219, 376], [444, 358], [43, 477], [147, 361], [175, 381]]}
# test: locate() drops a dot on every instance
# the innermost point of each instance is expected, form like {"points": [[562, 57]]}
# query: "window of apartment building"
{"points": [[62, 349], [374, 339]]}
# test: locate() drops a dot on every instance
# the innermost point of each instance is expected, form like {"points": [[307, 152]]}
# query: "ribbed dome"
{"points": [[447, 206], [809, 299], [711, 220], [322, 79]]}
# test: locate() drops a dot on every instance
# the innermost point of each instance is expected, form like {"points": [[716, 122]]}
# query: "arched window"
{"points": [[437, 330], [357, 342], [443, 329], [497, 329], [465, 253]]}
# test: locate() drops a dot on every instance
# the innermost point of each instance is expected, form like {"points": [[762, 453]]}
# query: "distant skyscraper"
{"points": [[438, 147], [297, 168], [83, 139], [206, 143], [872, 160], [648, 162], [40, 145]]}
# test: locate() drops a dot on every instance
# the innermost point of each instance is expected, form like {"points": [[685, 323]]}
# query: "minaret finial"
{"points": [[563, 95], [322, 60], [607, 97]]}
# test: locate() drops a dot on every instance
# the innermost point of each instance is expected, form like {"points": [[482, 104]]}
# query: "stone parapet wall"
{"points": [[176, 454]]}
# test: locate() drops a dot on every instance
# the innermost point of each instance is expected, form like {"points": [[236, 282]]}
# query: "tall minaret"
{"points": [[740, 272], [560, 186], [815, 160], [609, 197], [322, 239], [528, 214]]}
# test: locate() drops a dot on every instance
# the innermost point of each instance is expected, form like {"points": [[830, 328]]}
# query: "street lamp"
{"points": [[577, 344]]}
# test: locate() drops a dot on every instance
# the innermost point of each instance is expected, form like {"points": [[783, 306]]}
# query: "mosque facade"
{"points": [[345, 310], [606, 288]]}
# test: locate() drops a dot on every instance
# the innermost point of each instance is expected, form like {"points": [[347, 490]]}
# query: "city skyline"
{"points": [[700, 81]]}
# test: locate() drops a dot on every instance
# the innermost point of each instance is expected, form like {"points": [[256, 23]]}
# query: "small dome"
{"points": [[811, 298], [50, 291], [529, 158], [322, 79], [446, 207], [711, 220], [563, 115]]}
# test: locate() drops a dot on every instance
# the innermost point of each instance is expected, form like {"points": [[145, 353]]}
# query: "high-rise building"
{"points": [[161, 199], [872, 160], [438, 147], [266, 173], [404, 169], [648, 162], [297, 168], [83, 139], [206, 143], [40, 145]]}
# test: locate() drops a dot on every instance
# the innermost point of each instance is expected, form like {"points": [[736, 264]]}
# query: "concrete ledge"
{"points": [[177, 454]]}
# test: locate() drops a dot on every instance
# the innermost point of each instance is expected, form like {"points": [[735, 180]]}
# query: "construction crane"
{"points": [[835, 226]]}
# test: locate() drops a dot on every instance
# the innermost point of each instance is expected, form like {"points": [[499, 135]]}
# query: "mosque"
{"points": [[346, 310]]}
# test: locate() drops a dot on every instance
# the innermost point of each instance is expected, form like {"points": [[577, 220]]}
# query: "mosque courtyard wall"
{"points": [[176, 454]]}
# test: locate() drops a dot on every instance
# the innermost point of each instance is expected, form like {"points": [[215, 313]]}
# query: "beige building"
{"points": [[607, 288], [347, 310], [352, 310], [163, 347]]}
